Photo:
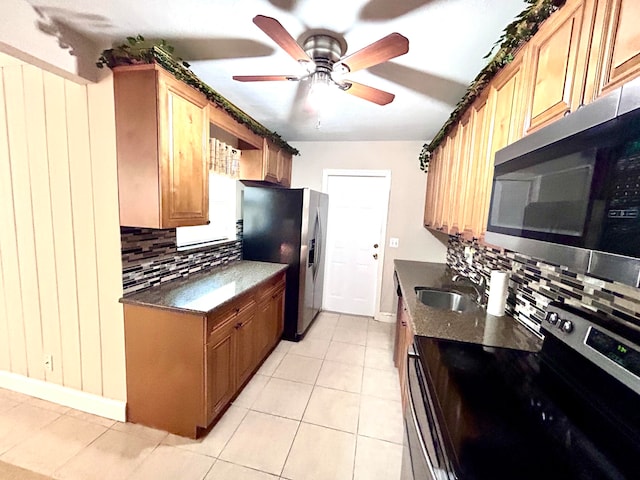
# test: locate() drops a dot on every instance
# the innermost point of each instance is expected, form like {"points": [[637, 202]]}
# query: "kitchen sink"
{"points": [[445, 299]]}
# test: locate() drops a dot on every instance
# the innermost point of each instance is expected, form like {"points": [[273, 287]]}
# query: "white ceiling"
{"points": [[447, 40]]}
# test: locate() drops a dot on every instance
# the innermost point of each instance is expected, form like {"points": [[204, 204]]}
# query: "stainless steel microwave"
{"points": [[570, 193]]}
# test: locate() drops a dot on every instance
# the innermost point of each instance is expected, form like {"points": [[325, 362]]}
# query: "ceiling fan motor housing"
{"points": [[325, 50]]}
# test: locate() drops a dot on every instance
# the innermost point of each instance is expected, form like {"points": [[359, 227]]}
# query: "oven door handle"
{"points": [[414, 418]]}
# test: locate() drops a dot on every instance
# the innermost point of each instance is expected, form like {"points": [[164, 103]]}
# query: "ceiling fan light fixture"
{"points": [[320, 90]]}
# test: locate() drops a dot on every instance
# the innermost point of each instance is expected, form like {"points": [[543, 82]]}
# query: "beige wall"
{"points": [[406, 204], [42, 38], [60, 267]]}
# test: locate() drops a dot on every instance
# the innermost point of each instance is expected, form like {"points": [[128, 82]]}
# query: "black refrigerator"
{"points": [[289, 226]]}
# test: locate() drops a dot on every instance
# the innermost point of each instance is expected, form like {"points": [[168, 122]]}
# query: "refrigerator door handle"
{"points": [[319, 246]]}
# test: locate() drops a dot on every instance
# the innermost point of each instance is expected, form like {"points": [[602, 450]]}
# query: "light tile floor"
{"points": [[324, 408]]}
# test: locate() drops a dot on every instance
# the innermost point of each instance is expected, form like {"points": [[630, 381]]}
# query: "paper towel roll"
{"points": [[498, 290]]}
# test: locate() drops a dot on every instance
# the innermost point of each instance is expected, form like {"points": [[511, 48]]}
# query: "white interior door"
{"points": [[355, 241]]}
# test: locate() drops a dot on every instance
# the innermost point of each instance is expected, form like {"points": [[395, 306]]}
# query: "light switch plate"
{"points": [[394, 242]]}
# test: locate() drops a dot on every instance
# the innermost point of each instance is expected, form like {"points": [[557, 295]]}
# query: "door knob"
{"points": [[375, 245], [375, 255]]}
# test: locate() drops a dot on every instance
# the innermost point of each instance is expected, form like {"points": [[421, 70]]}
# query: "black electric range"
{"points": [[571, 411]]}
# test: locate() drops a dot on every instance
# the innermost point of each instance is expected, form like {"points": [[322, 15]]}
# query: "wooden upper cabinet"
{"points": [[162, 144], [442, 202], [431, 194], [506, 92], [268, 164], [285, 165], [556, 63], [482, 167], [462, 188], [615, 50]]}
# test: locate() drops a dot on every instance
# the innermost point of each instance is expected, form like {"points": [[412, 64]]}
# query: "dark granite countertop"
{"points": [[473, 327], [206, 291]]}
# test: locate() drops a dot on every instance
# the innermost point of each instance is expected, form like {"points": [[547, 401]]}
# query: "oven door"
{"points": [[423, 438]]}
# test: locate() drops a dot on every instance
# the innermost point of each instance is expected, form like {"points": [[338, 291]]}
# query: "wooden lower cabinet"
{"points": [[220, 372], [404, 338], [183, 369], [271, 315]]}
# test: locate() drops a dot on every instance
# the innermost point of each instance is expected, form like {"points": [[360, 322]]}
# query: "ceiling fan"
{"points": [[321, 55]]}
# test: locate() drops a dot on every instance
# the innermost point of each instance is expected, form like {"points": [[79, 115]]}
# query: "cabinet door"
{"points": [[270, 166], [615, 51], [270, 319], [506, 92], [278, 317], [184, 173], [263, 329], [246, 328], [285, 162], [482, 168], [404, 337], [442, 201], [220, 367], [556, 60], [432, 187], [462, 189]]}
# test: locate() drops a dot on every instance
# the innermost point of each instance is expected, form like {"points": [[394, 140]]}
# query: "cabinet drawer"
{"points": [[271, 287], [234, 312]]}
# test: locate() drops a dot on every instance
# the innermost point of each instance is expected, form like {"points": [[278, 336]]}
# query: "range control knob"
{"points": [[567, 326], [552, 318]]}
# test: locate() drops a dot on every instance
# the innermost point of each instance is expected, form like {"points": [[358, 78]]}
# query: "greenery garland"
{"points": [[138, 51], [514, 35]]}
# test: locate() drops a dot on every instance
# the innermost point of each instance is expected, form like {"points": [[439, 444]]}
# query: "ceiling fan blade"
{"points": [[264, 78], [274, 29], [391, 46], [369, 93]]}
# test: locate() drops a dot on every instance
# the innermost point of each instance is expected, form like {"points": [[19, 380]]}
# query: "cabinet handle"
{"points": [[238, 325], [403, 323]]}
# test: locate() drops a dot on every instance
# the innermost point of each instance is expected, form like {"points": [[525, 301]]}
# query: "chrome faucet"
{"points": [[480, 287]]}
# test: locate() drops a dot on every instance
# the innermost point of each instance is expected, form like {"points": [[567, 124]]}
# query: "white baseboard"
{"points": [[388, 317], [69, 397]]}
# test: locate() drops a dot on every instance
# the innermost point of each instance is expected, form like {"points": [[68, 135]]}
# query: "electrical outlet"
{"points": [[48, 362], [394, 242]]}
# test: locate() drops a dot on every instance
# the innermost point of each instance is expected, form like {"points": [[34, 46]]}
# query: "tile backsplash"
{"points": [[534, 283], [150, 257]]}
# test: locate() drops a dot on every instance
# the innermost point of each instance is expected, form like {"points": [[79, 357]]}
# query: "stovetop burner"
{"points": [[571, 411]]}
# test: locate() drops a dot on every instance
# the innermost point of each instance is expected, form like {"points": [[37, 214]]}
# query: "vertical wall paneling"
{"points": [[107, 231], [84, 236], [5, 348], [11, 294], [60, 254], [42, 223], [23, 211], [64, 244]]}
